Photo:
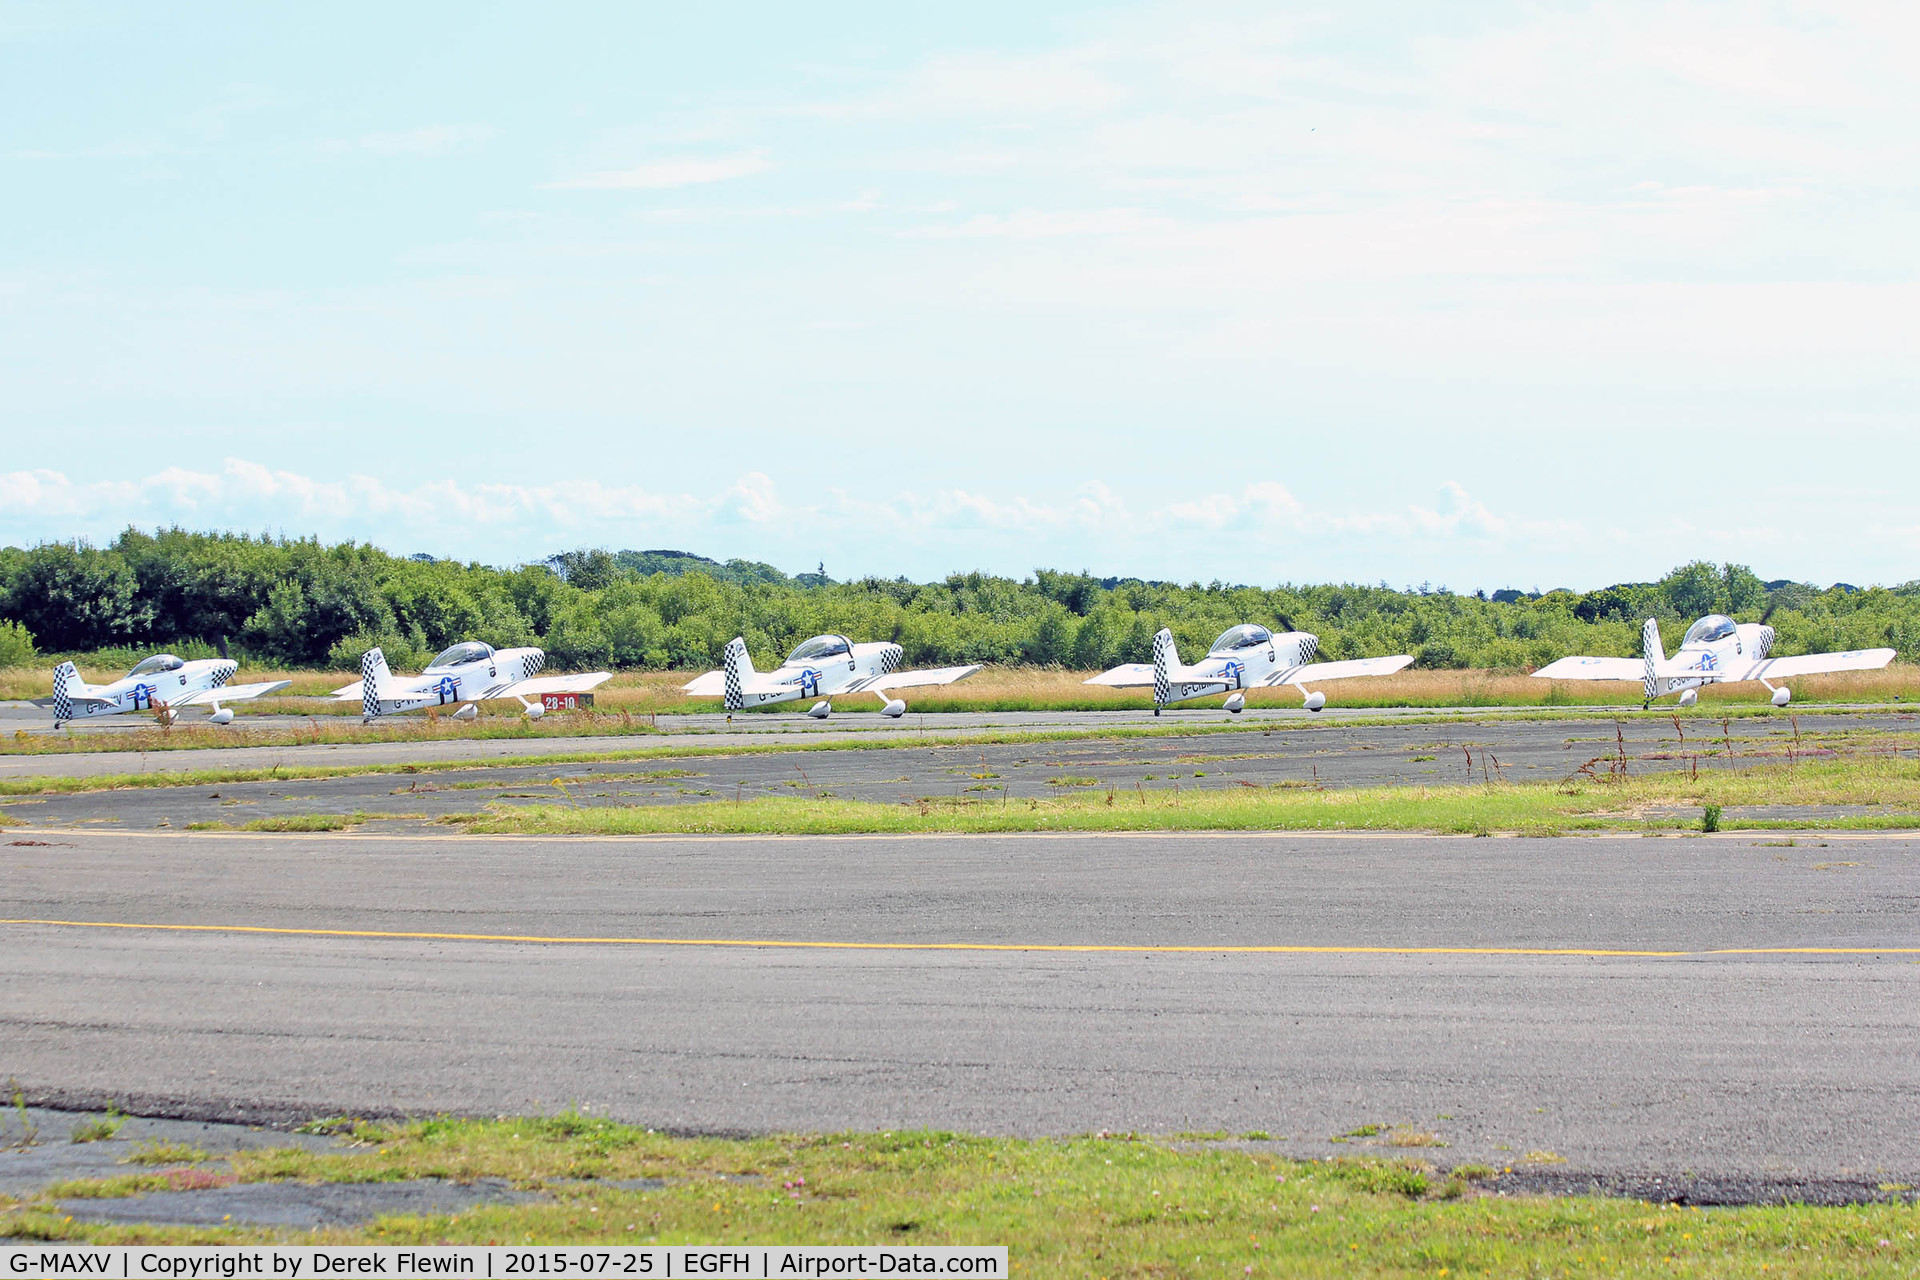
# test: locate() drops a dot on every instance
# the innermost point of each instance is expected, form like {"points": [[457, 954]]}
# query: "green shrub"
{"points": [[16, 645]]}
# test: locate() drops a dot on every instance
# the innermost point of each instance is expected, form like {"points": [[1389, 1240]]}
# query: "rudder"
{"points": [[66, 683], [1166, 658], [1655, 655], [739, 669], [373, 674]]}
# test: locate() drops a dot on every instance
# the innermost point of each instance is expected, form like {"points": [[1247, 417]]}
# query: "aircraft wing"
{"points": [[235, 693], [1346, 670], [1131, 675], [1583, 668], [1813, 664], [538, 685], [910, 679]]}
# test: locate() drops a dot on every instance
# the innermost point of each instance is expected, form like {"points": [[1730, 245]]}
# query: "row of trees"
{"points": [[296, 602]]}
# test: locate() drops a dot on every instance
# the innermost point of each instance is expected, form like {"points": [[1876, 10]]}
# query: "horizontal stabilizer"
{"points": [[1132, 675], [1585, 668], [714, 685]]}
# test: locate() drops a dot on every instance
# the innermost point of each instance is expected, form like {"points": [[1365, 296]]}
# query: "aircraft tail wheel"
{"points": [[1156, 711]]}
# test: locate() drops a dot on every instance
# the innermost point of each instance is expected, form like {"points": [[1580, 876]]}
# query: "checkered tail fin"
{"points": [[739, 671], [66, 683], [1166, 660], [373, 678], [1655, 655]]}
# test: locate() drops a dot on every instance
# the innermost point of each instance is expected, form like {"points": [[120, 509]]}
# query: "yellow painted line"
{"points": [[791, 944]]}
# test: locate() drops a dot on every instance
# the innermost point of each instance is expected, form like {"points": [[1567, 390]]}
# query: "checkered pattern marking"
{"points": [[890, 659], [1309, 646], [736, 662], [1649, 648], [1164, 658], [1764, 645], [65, 676], [531, 661], [223, 673], [372, 662]]}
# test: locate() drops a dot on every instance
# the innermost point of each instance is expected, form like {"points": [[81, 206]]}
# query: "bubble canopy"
{"points": [[1715, 626], [1246, 636], [819, 649], [462, 654], [156, 665]]}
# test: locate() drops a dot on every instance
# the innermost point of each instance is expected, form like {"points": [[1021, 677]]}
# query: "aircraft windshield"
{"points": [[1713, 627], [461, 654], [158, 663], [1245, 637], [818, 649]]}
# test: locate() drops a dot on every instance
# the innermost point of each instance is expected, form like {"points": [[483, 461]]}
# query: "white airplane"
{"points": [[824, 668], [1715, 650], [467, 673], [162, 684], [1244, 657]]}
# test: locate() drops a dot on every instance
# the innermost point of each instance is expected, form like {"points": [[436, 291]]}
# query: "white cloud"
{"points": [[464, 518], [663, 174]]}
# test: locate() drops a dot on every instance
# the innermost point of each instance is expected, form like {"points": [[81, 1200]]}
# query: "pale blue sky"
{"points": [[1512, 295]]}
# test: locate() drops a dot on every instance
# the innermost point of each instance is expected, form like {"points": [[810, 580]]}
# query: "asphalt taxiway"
{"points": [[1733, 1007]]}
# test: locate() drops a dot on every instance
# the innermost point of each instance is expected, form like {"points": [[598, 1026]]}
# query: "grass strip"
{"points": [[883, 741], [1107, 1205], [1600, 803]]}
